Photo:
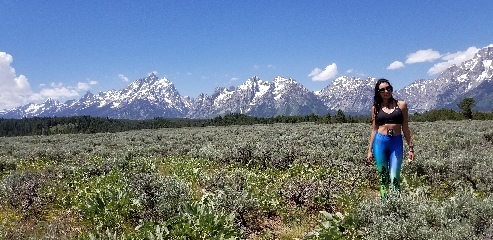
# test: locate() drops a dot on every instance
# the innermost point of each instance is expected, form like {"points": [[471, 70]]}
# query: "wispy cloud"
{"points": [[428, 55], [450, 59], [84, 86], [395, 65], [122, 77], [318, 74]]}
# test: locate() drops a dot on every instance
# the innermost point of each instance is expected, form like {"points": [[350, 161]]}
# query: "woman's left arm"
{"points": [[405, 129]]}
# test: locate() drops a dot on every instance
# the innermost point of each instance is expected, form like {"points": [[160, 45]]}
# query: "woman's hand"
{"points": [[369, 158], [410, 156]]}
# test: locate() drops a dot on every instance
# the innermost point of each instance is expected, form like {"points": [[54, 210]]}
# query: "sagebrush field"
{"points": [[273, 181]]}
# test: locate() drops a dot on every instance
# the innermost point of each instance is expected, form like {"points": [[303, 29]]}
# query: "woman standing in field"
{"points": [[389, 120]]}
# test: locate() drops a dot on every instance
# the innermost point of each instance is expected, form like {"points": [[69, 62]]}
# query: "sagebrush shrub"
{"points": [[300, 191], [22, 192], [488, 137], [160, 196], [227, 193], [416, 216], [7, 164]]}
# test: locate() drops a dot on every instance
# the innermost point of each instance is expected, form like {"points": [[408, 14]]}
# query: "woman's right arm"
{"points": [[374, 129]]}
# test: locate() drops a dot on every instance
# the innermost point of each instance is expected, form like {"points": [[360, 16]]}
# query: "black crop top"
{"points": [[395, 117]]}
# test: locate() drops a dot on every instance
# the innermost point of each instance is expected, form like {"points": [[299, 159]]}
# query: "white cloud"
{"points": [[318, 75], [428, 55], [395, 65], [15, 89], [58, 92], [355, 72], [122, 77], [233, 79], [453, 59], [255, 67], [83, 86]]}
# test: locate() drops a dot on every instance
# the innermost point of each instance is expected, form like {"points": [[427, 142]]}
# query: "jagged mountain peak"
{"points": [[152, 75], [350, 94], [344, 84], [252, 83], [51, 101], [486, 51], [87, 96], [219, 89], [280, 79], [281, 83], [254, 79], [343, 79], [151, 79]]}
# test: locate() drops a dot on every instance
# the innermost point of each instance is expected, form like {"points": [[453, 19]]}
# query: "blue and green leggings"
{"points": [[388, 153]]}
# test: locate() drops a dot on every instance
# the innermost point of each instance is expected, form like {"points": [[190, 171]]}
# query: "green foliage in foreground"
{"points": [[276, 181]]}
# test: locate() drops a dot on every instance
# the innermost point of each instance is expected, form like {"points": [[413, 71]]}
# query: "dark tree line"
{"points": [[87, 124], [242, 119]]}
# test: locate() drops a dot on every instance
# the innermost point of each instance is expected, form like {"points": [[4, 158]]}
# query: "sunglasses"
{"points": [[388, 89]]}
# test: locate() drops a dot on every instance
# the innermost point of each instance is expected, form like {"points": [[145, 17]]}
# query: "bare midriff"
{"points": [[383, 129]]}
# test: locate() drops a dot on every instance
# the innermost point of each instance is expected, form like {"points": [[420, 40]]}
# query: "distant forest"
{"points": [[88, 124]]}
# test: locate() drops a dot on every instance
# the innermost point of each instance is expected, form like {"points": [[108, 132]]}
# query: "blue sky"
{"points": [[62, 49]]}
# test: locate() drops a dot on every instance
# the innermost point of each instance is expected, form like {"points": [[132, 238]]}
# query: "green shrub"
{"points": [[200, 220], [159, 196], [415, 216], [228, 194], [107, 202]]}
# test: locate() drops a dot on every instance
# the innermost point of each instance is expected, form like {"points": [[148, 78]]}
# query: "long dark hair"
{"points": [[377, 99]]}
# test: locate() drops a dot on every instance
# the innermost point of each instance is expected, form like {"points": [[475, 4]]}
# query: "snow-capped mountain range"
{"points": [[152, 96], [472, 78]]}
